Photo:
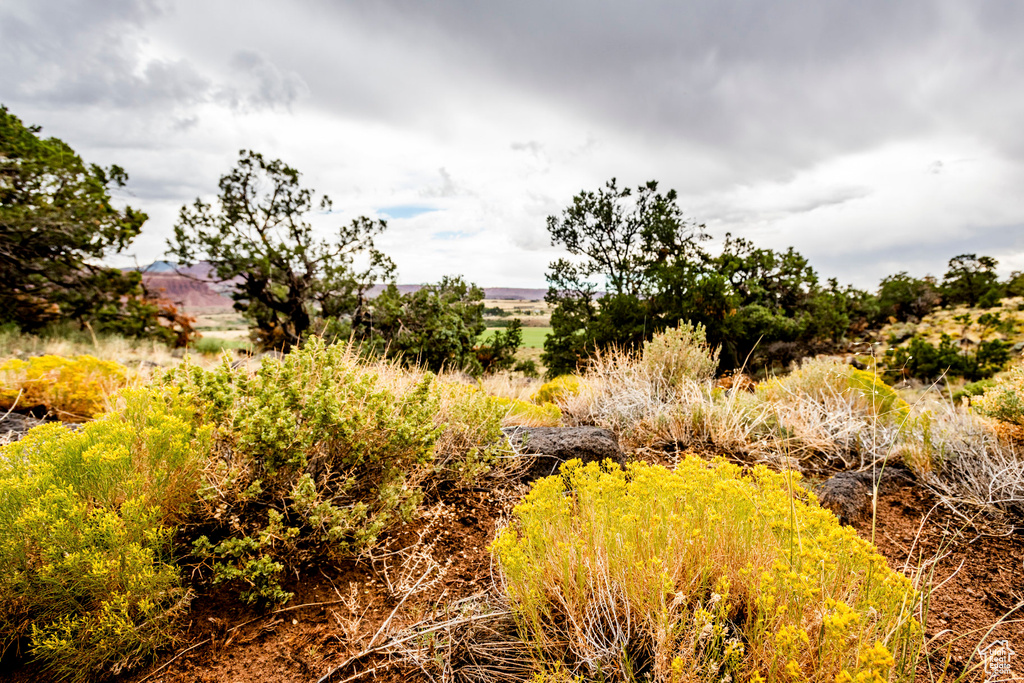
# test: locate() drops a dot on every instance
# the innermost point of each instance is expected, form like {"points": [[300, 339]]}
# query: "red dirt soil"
{"points": [[979, 574]]}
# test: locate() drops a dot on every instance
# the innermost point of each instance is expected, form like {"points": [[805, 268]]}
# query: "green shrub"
{"points": [[86, 520], [215, 345], [322, 453], [72, 388], [680, 353], [922, 360], [498, 352], [528, 367], [972, 389], [1004, 400], [702, 573]]}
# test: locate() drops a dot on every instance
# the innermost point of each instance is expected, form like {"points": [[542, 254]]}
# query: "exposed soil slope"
{"points": [[979, 572]]}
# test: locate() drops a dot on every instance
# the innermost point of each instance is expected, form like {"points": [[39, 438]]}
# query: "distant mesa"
{"points": [[514, 293], [192, 287], [184, 291], [189, 287]]}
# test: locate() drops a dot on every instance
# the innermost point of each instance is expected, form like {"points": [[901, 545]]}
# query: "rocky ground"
{"points": [[13, 426]]}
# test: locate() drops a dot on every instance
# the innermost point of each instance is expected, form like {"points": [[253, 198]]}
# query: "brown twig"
{"points": [[284, 609], [168, 662], [401, 602], [365, 672], [13, 405]]}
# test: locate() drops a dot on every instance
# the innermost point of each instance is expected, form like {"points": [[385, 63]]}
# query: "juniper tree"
{"points": [[257, 236], [57, 223]]}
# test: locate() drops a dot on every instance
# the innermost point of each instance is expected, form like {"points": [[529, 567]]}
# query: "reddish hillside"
{"points": [[195, 286], [192, 289], [185, 291]]}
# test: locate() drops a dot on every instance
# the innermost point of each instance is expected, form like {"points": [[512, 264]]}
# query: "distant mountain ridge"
{"points": [[508, 293], [194, 287]]}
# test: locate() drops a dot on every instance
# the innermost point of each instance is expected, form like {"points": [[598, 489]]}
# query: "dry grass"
{"points": [[824, 415], [969, 460], [511, 385], [116, 349], [143, 358]]}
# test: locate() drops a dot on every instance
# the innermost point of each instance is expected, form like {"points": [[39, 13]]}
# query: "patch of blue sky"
{"points": [[404, 211], [450, 235]]}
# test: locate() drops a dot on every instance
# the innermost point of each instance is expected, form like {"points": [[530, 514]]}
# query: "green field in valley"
{"points": [[533, 337]]}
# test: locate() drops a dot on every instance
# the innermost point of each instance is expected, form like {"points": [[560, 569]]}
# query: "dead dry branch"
{"points": [[473, 641]]}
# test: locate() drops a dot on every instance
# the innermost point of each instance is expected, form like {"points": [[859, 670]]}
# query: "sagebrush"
{"points": [[1003, 399], [321, 452]]}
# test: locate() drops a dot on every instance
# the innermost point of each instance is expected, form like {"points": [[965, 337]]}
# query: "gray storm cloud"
{"points": [[865, 134]]}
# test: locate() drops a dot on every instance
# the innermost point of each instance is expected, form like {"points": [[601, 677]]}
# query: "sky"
{"points": [[874, 136]]}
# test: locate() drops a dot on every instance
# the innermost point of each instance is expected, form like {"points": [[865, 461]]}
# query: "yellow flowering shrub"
{"points": [[700, 573], [85, 531], [71, 388], [563, 385], [529, 414], [878, 397]]}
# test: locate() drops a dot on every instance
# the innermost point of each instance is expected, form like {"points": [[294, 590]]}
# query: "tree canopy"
{"points": [[57, 222], [902, 297], [258, 236], [656, 273], [971, 280], [627, 238], [289, 283]]}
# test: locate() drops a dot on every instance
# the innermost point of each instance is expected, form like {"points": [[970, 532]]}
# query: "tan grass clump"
{"points": [[824, 414], [506, 384], [680, 353], [105, 347]]}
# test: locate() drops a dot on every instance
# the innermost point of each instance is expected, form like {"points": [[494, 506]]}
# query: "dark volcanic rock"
{"points": [[13, 426], [848, 494], [554, 445]]}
